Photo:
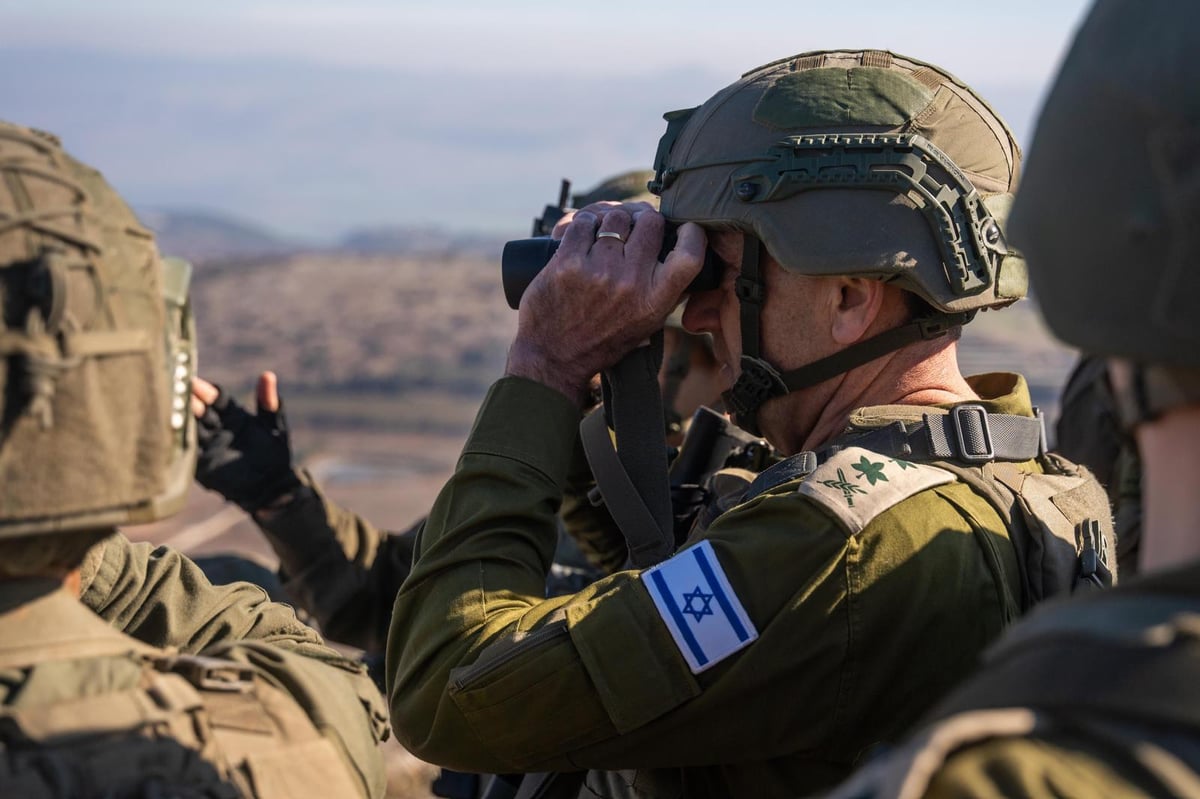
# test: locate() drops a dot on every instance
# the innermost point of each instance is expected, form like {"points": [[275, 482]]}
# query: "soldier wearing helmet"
{"points": [[858, 201], [1096, 697], [125, 672]]}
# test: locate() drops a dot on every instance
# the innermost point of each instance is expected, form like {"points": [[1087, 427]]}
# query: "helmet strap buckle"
{"points": [[757, 383]]}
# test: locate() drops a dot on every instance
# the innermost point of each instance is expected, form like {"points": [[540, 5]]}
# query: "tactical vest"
{"points": [[176, 726], [1113, 672], [1058, 520]]}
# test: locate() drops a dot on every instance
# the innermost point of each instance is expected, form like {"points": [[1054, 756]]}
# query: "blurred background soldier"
{"points": [[1098, 697], [857, 202], [125, 673], [1089, 432]]}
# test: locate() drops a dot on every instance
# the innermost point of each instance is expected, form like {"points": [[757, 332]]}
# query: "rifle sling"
{"points": [[633, 479]]}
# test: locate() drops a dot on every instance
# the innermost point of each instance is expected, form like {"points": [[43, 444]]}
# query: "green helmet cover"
{"points": [[96, 351], [858, 163]]}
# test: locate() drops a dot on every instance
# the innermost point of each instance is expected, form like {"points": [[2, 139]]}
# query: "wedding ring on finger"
{"points": [[610, 234]]}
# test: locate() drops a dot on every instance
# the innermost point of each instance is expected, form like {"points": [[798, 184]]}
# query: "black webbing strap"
{"points": [[966, 433], [759, 381], [923, 329], [622, 498], [632, 479], [802, 464], [751, 292]]}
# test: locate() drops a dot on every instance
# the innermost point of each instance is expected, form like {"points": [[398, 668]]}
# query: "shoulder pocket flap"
{"points": [[856, 485]]}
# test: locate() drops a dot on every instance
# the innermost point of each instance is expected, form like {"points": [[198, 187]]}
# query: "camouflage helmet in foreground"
{"points": [[96, 351], [851, 163], [1110, 211]]}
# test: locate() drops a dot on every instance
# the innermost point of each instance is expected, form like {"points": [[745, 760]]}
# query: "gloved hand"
{"points": [[244, 457]]}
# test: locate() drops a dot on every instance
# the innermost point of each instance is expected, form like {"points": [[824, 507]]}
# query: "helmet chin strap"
{"points": [[759, 381]]}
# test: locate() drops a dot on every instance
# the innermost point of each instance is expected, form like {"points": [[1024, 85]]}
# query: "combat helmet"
{"points": [[96, 351], [627, 187], [862, 163], [1109, 213]]}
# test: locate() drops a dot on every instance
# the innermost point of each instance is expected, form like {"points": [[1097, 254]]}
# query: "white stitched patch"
{"points": [[856, 485], [698, 604]]}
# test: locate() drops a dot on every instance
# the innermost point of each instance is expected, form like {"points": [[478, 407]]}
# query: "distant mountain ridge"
{"points": [[210, 235], [406, 240], [205, 235]]}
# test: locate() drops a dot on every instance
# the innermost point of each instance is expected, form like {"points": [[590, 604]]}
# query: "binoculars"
{"points": [[523, 259]]}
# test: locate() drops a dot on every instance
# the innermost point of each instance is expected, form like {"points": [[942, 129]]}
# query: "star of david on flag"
{"points": [[699, 607]]}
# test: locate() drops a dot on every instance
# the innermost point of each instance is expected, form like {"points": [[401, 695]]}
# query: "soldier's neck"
{"points": [[73, 583], [920, 374], [1170, 449]]}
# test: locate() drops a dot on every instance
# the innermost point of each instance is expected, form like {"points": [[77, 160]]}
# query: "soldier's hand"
{"points": [[601, 297], [244, 457], [599, 209]]}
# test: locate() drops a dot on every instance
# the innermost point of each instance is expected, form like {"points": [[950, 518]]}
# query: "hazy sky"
{"points": [[520, 35], [312, 117]]}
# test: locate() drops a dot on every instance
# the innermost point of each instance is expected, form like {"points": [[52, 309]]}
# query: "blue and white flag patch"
{"points": [[696, 601]]}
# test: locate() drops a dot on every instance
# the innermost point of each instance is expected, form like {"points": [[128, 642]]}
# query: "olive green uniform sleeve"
{"points": [[338, 566], [485, 675], [161, 598]]}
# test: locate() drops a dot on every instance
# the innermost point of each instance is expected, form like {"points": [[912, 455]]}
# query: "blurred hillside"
{"points": [[204, 235], [361, 340], [207, 235]]}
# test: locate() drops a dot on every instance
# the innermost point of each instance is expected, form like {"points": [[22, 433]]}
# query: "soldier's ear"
{"points": [[858, 303]]}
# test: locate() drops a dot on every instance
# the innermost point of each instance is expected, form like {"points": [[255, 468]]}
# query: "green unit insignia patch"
{"points": [[855, 485]]}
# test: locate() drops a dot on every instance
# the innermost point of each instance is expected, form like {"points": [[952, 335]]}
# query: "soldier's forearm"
{"points": [[337, 565]]}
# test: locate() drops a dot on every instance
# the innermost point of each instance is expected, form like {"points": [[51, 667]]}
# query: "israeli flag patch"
{"points": [[704, 615]]}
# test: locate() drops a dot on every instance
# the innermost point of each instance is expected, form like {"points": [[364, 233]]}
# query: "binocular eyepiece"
{"points": [[523, 259]]}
